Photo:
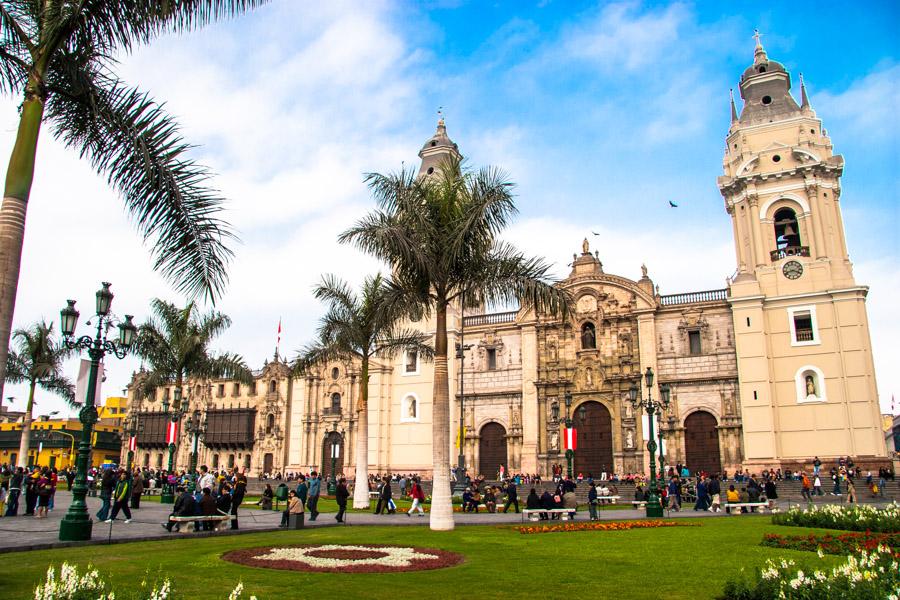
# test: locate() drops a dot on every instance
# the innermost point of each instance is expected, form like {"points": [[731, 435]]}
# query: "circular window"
{"points": [[735, 146], [767, 99], [761, 69], [433, 144], [776, 158], [812, 131], [430, 170]]}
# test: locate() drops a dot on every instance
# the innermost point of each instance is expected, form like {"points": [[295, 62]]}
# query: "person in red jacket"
{"points": [[418, 497]]}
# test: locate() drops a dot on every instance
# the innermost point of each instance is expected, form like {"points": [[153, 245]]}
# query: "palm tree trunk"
{"points": [[361, 482], [441, 504], [25, 441], [19, 177]]}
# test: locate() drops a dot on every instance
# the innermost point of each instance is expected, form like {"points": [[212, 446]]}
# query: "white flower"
{"points": [[395, 556]]}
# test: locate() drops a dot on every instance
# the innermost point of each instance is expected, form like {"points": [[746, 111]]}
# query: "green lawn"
{"points": [[689, 562]]}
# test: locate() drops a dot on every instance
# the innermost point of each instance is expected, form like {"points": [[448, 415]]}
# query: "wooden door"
{"points": [[332, 440], [701, 443], [594, 452], [492, 450]]}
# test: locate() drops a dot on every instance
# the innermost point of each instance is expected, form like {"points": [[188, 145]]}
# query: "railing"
{"points": [[490, 319], [332, 411], [780, 253], [694, 297], [804, 335]]}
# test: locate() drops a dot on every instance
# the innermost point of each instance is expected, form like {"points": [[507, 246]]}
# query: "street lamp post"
{"points": [[460, 485], [131, 427], [77, 523], [651, 406], [197, 429], [335, 453], [178, 410]]}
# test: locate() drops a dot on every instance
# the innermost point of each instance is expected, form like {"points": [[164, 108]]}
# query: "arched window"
{"points": [[231, 461], [159, 461], [409, 409], [335, 373], [588, 336], [215, 461], [787, 230], [273, 385], [247, 461], [335, 401], [270, 423], [147, 460]]}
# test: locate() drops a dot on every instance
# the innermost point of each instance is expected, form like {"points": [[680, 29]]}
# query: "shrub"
{"points": [[849, 517], [846, 543], [863, 576]]}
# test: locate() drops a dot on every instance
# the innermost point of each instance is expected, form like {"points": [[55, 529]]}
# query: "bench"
{"points": [[534, 514], [760, 505], [220, 518], [608, 499], [151, 492], [639, 503]]}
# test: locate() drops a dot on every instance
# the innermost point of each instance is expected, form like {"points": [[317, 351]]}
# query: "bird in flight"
{"points": [[595, 233], [672, 204]]}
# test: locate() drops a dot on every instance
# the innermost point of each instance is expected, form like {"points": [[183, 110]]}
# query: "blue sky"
{"points": [[600, 113]]}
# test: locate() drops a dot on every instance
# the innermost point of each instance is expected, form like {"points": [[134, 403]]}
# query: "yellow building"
{"points": [[113, 411], [54, 442]]}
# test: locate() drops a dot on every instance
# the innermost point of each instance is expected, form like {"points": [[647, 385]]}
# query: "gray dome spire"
{"points": [[766, 89], [437, 149]]}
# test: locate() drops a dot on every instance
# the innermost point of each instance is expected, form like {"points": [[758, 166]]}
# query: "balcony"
{"points": [[490, 319], [332, 411], [804, 335], [780, 253], [694, 297]]}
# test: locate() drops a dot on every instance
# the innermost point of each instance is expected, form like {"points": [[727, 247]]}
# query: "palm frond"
{"points": [[399, 340], [230, 366], [59, 385], [130, 139], [16, 368]]}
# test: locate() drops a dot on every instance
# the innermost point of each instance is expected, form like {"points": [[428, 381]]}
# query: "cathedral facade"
{"points": [[767, 372]]}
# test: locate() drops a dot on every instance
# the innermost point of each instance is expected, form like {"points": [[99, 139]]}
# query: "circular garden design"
{"points": [[339, 558]]}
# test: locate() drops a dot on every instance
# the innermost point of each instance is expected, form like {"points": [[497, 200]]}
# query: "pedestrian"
{"points": [[512, 497], [121, 496], [341, 493], [107, 484], [817, 486], [702, 495], [851, 492], [15, 488], [237, 496], [224, 499], [302, 490], [315, 488], [44, 491], [418, 497], [387, 499], [805, 487], [592, 501], [286, 513], [137, 490], [207, 507], [185, 506]]}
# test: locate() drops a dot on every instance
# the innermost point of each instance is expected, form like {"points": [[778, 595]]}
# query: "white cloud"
{"points": [[867, 109]]}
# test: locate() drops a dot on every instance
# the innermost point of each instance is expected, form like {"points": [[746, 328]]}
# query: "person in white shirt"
{"points": [[206, 480]]}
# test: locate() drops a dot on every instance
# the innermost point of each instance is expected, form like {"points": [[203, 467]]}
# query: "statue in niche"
{"points": [[811, 387], [552, 352], [554, 440], [629, 410], [589, 377], [629, 439], [411, 408], [515, 417], [588, 337]]}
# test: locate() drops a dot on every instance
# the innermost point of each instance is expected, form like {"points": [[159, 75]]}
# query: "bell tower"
{"points": [[807, 379]]}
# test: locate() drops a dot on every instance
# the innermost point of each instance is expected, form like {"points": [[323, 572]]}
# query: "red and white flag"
{"points": [[172, 432], [132, 443], [278, 343], [571, 438]]}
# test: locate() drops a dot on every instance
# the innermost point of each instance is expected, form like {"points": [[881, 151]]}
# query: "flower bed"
{"points": [[604, 526], [332, 558], [846, 543], [849, 517], [862, 576]]}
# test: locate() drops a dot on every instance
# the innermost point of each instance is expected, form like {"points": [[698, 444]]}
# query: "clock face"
{"points": [[792, 269]]}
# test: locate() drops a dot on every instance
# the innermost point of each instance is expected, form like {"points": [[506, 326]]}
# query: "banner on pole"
{"points": [[571, 438], [172, 432], [81, 384], [132, 443]]}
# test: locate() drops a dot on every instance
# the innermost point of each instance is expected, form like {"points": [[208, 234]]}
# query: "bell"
{"points": [[789, 231]]}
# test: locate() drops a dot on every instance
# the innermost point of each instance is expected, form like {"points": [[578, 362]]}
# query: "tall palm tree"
{"points": [[362, 327], [37, 360], [440, 234], [58, 57], [175, 343]]}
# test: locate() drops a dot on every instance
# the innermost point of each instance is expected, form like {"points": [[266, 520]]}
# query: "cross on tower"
{"points": [[756, 36]]}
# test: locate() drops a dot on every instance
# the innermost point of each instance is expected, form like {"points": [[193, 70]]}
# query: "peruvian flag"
{"points": [[132, 443], [172, 432], [571, 438]]}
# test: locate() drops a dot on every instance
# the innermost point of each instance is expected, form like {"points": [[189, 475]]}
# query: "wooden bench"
{"points": [[151, 492], [760, 505], [639, 503], [564, 513], [220, 518]]}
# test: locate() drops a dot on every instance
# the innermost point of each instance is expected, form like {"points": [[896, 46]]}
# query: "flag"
{"points": [[132, 443], [81, 384], [460, 435], [40, 447], [571, 438], [172, 432], [278, 343]]}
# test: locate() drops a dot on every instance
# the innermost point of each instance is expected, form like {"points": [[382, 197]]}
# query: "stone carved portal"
{"points": [[701, 443], [595, 440], [492, 450]]}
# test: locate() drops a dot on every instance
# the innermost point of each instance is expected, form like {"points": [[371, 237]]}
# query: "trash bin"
{"points": [[281, 494], [295, 521]]}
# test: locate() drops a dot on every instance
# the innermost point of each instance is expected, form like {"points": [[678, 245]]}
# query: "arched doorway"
{"points": [[332, 451], [491, 450], [701, 443], [594, 453]]}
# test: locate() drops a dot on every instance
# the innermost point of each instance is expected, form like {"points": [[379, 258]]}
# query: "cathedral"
{"points": [[768, 372]]}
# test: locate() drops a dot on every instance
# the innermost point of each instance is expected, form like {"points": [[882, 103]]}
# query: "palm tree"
{"points": [[440, 234], [175, 343], [58, 57], [362, 327], [37, 360]]}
